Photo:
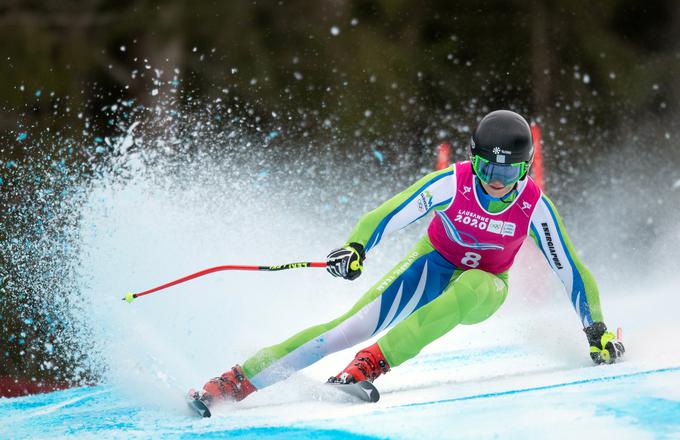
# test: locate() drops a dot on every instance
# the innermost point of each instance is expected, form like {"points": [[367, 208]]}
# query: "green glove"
{"points": [[604, 347]]}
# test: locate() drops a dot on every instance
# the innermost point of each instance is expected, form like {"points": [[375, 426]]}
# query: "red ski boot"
{"points": [[232, 385], [368, 364]]}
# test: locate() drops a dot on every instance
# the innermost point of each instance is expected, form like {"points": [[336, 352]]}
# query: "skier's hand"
{"points": [[604, 347], [346, 262]]}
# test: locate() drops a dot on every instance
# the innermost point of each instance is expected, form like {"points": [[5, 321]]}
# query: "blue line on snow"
{"points": [[281, 433], [541, 388]]}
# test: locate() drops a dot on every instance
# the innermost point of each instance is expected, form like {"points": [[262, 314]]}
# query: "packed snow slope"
{"points": [[481, 389], [524, 373]]}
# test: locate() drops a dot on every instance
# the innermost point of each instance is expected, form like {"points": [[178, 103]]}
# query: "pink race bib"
{"points": [[470, 237]]}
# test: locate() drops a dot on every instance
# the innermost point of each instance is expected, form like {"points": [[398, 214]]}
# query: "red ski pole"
{"points": [[131, 296]]}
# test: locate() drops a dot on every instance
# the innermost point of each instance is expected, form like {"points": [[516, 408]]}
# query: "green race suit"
{"points": [[424, 296]]}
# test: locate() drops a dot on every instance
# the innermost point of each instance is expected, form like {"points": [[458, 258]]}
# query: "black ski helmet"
{"points": [[503, 137]]}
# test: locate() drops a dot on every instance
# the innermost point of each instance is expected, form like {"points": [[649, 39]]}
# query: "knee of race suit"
{"points": [[479, 295]]}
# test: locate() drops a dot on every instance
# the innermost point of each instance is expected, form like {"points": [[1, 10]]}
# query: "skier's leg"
{"points": [[468, 299], [416, 280]]}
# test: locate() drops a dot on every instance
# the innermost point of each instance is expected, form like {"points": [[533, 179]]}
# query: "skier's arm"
{"points": [[551, 237], [434, 191]]}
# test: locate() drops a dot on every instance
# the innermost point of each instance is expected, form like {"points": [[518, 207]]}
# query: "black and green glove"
{"points": [[347, 261], [604, 347]]}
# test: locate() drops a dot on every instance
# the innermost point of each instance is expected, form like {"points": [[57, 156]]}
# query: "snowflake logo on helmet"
{"points": [[496, 150]]}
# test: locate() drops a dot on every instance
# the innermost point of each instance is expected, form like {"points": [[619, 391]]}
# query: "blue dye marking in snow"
{"points": [[660, 416], [22, 136], [272, 135], [543, 387], [1, 181], [38, 93], [281, 432], [463, 356], [78, 412]]}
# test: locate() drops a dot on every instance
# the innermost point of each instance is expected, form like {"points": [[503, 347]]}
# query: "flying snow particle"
{"points": [[298, 76], [368, 113], [354, 22], [335, 31], [123, 48], [378, 155], [154, 92], [586, 78], [676, 185]]}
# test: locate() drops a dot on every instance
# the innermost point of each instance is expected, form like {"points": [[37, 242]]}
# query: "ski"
{"points": [[197, 404], [363, 390]]}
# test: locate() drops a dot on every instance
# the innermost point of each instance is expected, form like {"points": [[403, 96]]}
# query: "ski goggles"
{"points": [[489, 171]]}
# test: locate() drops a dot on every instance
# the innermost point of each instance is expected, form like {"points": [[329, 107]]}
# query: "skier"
{"points": [[456, 274]]}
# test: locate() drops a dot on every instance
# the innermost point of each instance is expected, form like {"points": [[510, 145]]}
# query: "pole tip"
{"points": [[129, 297]]}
